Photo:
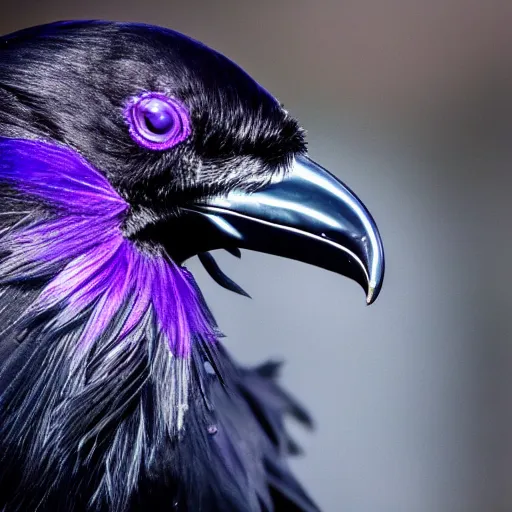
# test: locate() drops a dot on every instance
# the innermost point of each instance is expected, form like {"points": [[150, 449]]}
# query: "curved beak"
{"points": [[309, 216]]}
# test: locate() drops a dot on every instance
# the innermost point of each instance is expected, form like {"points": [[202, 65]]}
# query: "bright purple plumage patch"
{"points": [[100, 271]]}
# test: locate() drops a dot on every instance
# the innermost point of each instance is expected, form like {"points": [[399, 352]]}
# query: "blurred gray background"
{"points": [[408, 102]]}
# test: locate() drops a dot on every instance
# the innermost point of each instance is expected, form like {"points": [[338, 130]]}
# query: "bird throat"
{"points": [[69, 235]]}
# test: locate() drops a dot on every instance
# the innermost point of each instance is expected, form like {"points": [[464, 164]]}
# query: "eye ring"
{"points": [[157, 121]]}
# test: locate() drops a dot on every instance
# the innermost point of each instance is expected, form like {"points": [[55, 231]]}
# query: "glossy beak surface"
{"points": [[309, 216]]}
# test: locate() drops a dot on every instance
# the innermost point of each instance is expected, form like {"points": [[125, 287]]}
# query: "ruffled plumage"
{"points": [[115, 392]]}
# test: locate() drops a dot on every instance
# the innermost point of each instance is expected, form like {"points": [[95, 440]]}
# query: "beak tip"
{"points": [[376, 272], [373, 292], [369, 296]]}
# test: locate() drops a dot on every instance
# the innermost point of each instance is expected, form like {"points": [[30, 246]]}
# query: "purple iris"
{"points": [[157, 121]]}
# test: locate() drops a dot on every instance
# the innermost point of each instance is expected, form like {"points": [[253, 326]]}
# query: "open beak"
{"points": [[309, 216]]}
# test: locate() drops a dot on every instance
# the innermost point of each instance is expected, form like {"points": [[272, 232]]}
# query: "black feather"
{"points": [[99, 429], [218, 276], [235, 251]]}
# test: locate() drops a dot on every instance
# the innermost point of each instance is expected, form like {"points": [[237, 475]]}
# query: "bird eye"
{"points": [[157, 121]]}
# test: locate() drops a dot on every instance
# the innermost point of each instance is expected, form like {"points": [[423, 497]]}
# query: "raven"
{"points": [[126, 149]]}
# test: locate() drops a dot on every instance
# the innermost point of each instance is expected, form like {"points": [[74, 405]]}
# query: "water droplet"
{"points": [[209, 368]]}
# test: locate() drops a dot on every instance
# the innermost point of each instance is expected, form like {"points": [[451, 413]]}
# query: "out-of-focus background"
{"points": [[408, 102]]}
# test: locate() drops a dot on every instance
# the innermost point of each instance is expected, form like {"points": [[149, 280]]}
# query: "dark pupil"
{"points": [[158, 120]]}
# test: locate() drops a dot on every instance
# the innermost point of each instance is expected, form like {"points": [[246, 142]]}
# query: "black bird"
{"points": [[126, 149]]}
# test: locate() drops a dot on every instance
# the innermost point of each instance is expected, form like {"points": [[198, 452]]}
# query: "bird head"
{"points": [[125, 150], [132, 141]]}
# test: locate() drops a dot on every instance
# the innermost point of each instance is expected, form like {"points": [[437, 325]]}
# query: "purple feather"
{"points": [[100, 271]]}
